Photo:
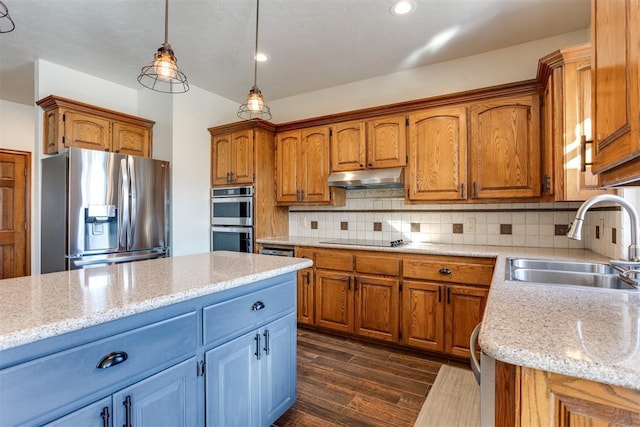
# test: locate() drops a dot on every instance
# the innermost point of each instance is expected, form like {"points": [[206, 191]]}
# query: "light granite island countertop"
{"points": [[37, 307], [572, 330]]}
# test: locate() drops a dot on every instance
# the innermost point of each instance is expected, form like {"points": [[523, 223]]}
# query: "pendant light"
{"points": [[163, 73], [255, 108], [6, 23]]}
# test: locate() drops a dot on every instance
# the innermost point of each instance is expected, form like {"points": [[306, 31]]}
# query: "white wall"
{"points": [[496, 67], [193, 113], [17, 126]]}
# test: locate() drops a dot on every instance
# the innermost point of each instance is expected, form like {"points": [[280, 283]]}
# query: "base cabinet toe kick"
{"points": [[228, 358]]}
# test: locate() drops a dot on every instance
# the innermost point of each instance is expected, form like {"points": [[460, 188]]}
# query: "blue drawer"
{"points": [[234, 317], [31, 389]]}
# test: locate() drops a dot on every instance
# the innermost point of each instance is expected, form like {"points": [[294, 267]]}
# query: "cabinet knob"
{"points": [[106, 149], [370, 165], [444, 271], [112, 359], [258, 305]]}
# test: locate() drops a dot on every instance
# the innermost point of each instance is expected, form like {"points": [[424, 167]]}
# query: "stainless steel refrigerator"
{"points": [[101, 208]]}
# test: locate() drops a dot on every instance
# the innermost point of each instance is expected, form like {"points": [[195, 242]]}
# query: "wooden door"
{"points": [[348, 146], [288, 166], [438, 154], [168, 398], [221, 160], [464, 310], [242, 157], [86, 131], [305, 288], [423, 315], [505, 148], [387, 142], [131, 139], [15, 197], [377, 307], [614, 34], [314, 171], [334, 300]]}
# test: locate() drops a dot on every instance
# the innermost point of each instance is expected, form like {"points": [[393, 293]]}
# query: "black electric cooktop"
{"points": [[367, 242]]}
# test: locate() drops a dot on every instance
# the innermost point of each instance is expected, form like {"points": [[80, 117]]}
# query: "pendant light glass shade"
{"points": [[255, 108], [163, 73], [6, 23]]}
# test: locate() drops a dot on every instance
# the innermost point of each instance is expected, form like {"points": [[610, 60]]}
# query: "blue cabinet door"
{"points": [[279, 368], [232, 382], [168, 398], [97, 414]]}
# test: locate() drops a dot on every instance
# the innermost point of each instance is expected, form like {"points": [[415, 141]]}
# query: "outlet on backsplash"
{"points": [[470, 225]]}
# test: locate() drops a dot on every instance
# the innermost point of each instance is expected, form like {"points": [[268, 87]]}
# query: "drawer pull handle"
{"points": [[444, 271], [258, 305], [112, 359]]}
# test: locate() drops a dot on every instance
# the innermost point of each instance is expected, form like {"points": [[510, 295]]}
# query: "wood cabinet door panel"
{"points": [[348, 146], [465, 306], [423, 315], [86, 131], [334, 301], [133, 140], [615, 32], [242, 157], [221, 159], [287, 166], [505, 148], [387, 142], [450, 269], [314, 172], [306, 288], [377, 308], [438, 154], [559, 400]]}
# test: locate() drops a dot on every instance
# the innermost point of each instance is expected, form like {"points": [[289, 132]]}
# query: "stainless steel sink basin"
{"points": [[556, 265], [607, 281], [591, 274]]}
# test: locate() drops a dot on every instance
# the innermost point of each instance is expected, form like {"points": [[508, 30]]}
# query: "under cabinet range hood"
{"points": [[369, 178]]}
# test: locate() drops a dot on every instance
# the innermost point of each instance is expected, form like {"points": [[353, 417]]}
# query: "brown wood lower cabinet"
{"points": [[543, 398], [427, 302]]}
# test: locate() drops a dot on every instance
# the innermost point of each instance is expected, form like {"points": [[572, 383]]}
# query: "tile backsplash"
{"points": [[383, 215]]}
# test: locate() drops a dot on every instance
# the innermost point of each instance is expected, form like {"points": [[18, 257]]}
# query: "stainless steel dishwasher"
{"points": [[277, 251]]}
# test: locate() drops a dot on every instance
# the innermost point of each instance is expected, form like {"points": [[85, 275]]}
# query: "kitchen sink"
{"points": [[576, 273], [555, 265]]}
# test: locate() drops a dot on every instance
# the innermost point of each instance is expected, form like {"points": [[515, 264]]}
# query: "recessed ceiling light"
{"points": [[402, 7], [262, 57]]}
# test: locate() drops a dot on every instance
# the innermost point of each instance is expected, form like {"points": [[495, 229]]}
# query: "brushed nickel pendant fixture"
{"points": [[163, 73], [255, 108]]}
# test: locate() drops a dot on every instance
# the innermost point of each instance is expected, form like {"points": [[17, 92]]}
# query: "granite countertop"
{"points": [[577, 331], [42, 306]]}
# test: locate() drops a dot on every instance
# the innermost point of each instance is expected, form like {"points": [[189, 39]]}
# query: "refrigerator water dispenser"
{"points": [[100, 228]]}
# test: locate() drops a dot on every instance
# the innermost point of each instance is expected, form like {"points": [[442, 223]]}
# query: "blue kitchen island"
{"points": [[206, 339]]}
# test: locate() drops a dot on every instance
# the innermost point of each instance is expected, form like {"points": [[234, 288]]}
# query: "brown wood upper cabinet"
{"points": [[302, 168], [375, 143], [505, 148], [69, 123], [232, 158], [437, 167], [615, 31], [566, 74]]}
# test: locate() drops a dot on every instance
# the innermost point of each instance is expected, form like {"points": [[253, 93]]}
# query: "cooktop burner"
{"points": [[366, 242]]}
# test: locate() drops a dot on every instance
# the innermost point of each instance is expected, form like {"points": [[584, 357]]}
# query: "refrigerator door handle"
{"points": [[123, 205], [132, 202]]}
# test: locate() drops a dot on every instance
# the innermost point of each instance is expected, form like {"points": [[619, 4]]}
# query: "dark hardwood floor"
{"points": [[346, 382]]}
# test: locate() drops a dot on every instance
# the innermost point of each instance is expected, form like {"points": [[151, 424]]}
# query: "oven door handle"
{"points": [[232, 229], [473, 341], [241, 199]]}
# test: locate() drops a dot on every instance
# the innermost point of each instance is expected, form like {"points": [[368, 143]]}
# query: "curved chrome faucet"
{"points": [[575, 228]]}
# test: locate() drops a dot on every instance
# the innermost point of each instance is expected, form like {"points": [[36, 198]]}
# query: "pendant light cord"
{"points": [[166, 21], [255, 56]]}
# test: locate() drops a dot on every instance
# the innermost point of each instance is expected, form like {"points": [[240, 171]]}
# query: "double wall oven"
{"points": [[232, 219]]}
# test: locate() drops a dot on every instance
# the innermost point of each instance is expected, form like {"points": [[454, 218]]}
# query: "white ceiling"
{"points": [[313, 44]]}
